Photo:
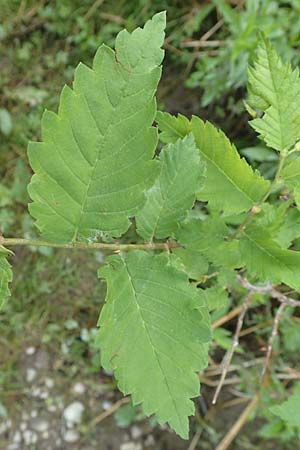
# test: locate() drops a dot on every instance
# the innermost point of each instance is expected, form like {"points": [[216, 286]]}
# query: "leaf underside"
{"points": [[96, 158], [152, 335], [230, 184], [174, 191]]}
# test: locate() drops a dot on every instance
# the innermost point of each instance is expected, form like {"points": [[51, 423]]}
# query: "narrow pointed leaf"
{"points": [[5, 277], [95, 161], [266, 259], [274, 88], [152, 335], [174, 191], [231, 185]]}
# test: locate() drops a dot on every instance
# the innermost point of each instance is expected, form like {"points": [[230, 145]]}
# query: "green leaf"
{"points": [[154, 335], [215, 297], [266, 259], [6, 124], [95, 162], [172, 127], [290, 229], [289, 411], [5, 276], [208, 238], [274, 88], [290, 174], [174, 191], [193, 263], [230, 185], [200, 235]]}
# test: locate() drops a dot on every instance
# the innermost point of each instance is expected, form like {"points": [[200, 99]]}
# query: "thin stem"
{"points": [[256, 208], [235, 343], [282, 158], [10, 242]]}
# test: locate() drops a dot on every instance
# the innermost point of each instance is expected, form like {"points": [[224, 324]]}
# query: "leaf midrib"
{"points": [[130, 279]]}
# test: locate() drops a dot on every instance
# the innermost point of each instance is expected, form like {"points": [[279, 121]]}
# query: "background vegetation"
{"points": [[48, 358]]}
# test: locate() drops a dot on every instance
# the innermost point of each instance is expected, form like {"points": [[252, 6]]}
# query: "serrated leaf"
{"points": [[289, 411], [152, 335], [266, 259], [172, 127], [193, 263], [215, 297], [230, 185], [5, 276], [174, 191], [95, 161], [208, 238], [274, 88], [201, 235], [290, 228], [290, 175]]}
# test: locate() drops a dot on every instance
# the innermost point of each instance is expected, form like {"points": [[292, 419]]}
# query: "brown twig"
{"points": [[110, 411], [9, 242], [285, 301], [238, 425], [235, 312], [228, 356], [272, 339], [195, 440]]}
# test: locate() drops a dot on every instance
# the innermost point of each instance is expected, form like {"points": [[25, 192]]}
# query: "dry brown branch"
{"points": [[235, 312], [200, 43], [229, 354], [272, 339], [238, 425], [110, 411], [195, 440]]}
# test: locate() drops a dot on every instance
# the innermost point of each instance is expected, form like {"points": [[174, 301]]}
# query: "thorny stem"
{"points": [[9, 242]]}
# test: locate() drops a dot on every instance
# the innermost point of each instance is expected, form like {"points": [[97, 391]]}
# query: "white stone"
{"points": [[52, 408], [149, 440], [131, 446], [79, 388], [106, 405], [4, 426], [33, 413], [29, 437], [36, 392], [44, 394], [30, 351], [40, 425], [136, 432], [45, 435], [72, 414], [71, 436], [23, 426], [17, 437], [49, 383], [30, 375]]}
